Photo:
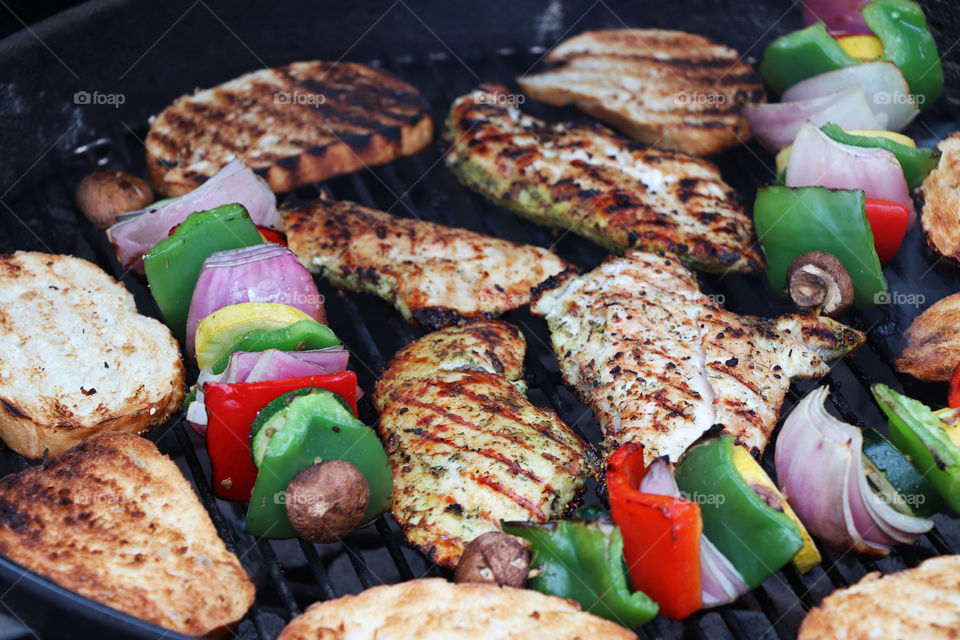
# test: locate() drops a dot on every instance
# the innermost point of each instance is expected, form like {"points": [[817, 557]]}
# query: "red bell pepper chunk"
{"points": [[888, 221], [231, 409], [270, 235], [661, 536], [954, 399]]}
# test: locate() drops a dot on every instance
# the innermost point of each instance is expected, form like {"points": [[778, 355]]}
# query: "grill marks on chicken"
{"points": [[614, 191], [660, 363], [433, 274], [466, 448]]}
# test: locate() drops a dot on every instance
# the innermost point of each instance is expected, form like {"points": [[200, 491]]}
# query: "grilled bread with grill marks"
{"points": [[434, 609], [114, 520], [915, 603], [466, 447], [660, 363], [76, 358], [434, 275], [933, 342], [292, 125], [612, 190], [940, 217], [668, 89]]}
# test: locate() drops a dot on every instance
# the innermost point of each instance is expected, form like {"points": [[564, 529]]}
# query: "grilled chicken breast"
{"points": [[434, 275], [114, 520], [659, 363], [435, 609], [616, 192], [292, 125], [668, 89], [466, 447], [916, 603]]}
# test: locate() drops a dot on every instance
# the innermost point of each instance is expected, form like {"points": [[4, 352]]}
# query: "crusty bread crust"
{"points": [[434, 609], [933, 342], [302, 123], [76, 358], [669, 89], [940, 218], [916, 603], [114, 520]]}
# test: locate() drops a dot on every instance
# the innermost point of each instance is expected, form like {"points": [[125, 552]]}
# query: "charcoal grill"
{"points": [[152, 53]]}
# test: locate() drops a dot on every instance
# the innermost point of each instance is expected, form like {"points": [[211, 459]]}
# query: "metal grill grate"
{"points": [[38, 214]]}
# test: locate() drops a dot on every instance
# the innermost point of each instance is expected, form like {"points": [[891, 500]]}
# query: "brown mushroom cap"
{"points": [[327, 501], [104, 195], [818, 280], [494, 558]]}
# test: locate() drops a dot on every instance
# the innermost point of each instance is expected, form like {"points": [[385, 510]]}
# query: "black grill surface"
{"points": [[37, 213]]}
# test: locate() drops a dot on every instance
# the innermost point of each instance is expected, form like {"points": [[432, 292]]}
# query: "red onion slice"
{"points": [[722, 583], [882, 82], [261, 273], [820, 468], [134, 237], [659, 480], [844, 16], [775, 125], [272, 364], [817, 160]]}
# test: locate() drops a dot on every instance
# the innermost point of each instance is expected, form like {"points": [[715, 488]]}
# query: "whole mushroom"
{"points": [[494, 558], [104, 195], [326, 501], [818, 280]]}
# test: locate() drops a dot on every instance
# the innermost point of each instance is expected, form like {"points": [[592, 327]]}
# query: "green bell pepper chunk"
{"points": [[916, 162], [755, 537], [800, 55], [305, 335], [173, 264], [582, 560], [791, 222], [908, 43], [919, 434], [312, 428]]}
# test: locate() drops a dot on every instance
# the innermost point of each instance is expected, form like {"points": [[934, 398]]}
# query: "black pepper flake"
{"points": [[732, 362]]}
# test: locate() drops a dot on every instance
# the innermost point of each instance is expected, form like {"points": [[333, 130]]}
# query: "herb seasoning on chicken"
{"points": [[466, 447]]}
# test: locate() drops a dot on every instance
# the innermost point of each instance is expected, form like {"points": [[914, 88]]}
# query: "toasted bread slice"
{"points": [[292, 125], [916, 603], [114, 520], [76, 358], [933, 342], [433, 608], [941, 201], [669, 89], [433, 274]]}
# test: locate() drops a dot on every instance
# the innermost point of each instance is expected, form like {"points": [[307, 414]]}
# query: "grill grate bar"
{"points": [[366, 577], [227, 534], [317, 568], [276, 575], [406, 573], [421, 187]]}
